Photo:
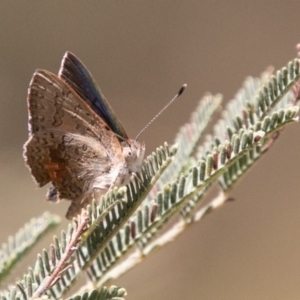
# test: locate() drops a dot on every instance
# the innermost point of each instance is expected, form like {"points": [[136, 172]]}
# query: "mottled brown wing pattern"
{"points": [[72, 165], [68, 144], [68, 160], [53, 104], [75, 140]]}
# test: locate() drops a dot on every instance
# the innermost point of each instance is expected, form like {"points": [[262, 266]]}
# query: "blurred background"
{"points": [[140, 53]]}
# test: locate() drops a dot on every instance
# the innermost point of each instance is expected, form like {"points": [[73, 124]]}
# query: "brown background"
{"points": [[140, 52]]}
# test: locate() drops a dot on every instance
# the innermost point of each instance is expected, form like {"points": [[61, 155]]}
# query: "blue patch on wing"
{"points": [[76, 75]]}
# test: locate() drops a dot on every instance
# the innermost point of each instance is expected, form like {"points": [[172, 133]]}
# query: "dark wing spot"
{"points": [[77, 152]]}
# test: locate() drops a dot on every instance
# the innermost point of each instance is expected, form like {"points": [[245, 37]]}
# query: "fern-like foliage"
{"points": [[126, 224], [87, 236], [184, 193], [111, 293], [17, 246]]}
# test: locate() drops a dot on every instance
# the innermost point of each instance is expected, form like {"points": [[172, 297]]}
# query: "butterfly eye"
{"points": [[129, 153]]}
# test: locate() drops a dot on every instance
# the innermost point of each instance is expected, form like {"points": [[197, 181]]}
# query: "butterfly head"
{"points": [[133, 152]]}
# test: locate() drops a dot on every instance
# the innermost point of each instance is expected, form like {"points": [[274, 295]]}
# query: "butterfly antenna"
{"points": [[162, 110]]}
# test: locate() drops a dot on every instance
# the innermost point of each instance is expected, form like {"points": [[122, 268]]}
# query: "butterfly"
{"points": [[76, 142]]}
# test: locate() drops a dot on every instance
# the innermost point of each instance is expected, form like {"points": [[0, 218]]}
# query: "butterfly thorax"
{"points": [[121, 170]]}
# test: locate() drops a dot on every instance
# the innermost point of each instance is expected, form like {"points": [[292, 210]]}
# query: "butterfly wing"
{"points": [[72, 163], [68, 143], [75, 74], [69, 161]]}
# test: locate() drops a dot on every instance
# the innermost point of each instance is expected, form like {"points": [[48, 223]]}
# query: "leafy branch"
{"points": [[118, 231]]}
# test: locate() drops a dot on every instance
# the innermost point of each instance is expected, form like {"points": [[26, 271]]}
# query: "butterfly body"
{"points": [[75, 140]]}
